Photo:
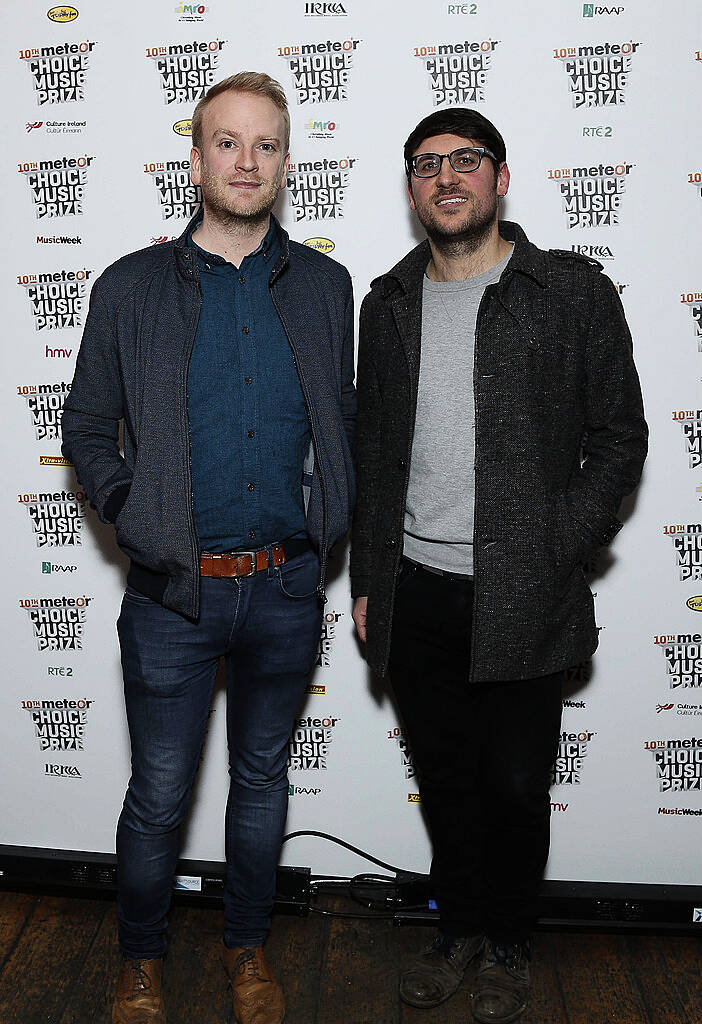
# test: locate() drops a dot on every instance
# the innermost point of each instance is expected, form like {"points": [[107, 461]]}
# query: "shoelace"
{"points": [[141, 982], [505, 956], [248, 961]]}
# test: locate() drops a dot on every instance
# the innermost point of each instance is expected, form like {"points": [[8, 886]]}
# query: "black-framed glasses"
{"points": [[428, 165]]}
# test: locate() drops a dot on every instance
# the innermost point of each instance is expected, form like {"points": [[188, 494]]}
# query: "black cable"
{"points": [[347, 846], [355, 917]]}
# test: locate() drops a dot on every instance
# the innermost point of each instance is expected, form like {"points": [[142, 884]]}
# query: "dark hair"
{"points": [[463, 121]]}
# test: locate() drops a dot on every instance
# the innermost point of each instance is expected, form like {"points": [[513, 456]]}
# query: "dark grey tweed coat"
{"points": [[555, 384]]}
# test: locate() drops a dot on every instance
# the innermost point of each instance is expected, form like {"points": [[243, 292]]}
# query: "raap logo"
{"points": [[321, 129], [595, 252], [58, 72], [687, 542], [59, 724], [399, 737], [683, 657], [592, 196], [191, 13], [56, 517], [57, 186], [45, 403], [695, 178], [572, 750], [57, 622], [327, 637], [693, 300], [62, 15], [303, 790], [186, 70], [598, 75], [317, 189], [184, 126], [56, 299], [324, 245], [678, 763], [310, 742], [691, 422], [30, 126], [325, 10], [177, 196], [457, 71], [48, 568], [320, 71], [594, 11]]}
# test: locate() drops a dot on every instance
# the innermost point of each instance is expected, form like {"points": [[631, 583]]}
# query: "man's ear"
{"points": [[195, 166]]}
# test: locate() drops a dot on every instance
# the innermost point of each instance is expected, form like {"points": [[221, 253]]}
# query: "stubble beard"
{"points": [[223, 208], [462, 240]]}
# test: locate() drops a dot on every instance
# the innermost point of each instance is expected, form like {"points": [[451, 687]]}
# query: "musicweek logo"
{"points": [[457, 72], [58, 72]]}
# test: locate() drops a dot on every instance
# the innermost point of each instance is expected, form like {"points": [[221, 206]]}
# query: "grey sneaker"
{"points": [[502, 987], [437, 972]]}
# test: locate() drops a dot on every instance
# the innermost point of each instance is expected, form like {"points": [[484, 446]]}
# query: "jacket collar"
{"points": [[526, 259], [185, 257]]}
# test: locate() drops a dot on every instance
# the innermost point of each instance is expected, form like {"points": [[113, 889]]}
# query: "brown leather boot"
{"points": [[258, 998], [138, 999]]}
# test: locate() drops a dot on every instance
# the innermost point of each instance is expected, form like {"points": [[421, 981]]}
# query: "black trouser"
{"points": [[483, 754]]}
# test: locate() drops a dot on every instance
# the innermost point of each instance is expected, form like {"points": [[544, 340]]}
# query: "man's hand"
{"points": [[360, 607]]}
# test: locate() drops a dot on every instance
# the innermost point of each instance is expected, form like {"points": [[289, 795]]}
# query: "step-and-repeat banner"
{"points": [[599, 108]]}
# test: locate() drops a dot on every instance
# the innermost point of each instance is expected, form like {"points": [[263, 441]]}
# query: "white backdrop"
{"points": [[598, 107]]}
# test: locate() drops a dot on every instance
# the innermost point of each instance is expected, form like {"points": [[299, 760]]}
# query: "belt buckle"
{"points": [[252, 556]]}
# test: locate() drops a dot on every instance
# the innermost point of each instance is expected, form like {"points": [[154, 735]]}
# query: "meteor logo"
{"points": [[320, 71], [56, 517], [687, 542], [45, 403], [317, 189], [683, 658], [57, 186], [572, 750], [177, 196], [457, 72], [58, 72], [57, 622], [691, 423], [57, 298], [693, 301], [186, 70], [592, 196], [598, 75], [678, 763], [59, 725]]}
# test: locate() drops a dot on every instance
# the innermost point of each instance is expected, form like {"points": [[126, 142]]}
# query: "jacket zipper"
{"points": [[303, 386]]}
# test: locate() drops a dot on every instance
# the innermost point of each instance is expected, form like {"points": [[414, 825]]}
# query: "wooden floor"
{"points": [[58, 961]]}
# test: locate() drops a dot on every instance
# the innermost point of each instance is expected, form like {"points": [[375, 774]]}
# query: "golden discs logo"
{"points": [[177, 196], [572, 750], [57, 622], [186, 70], [591, 196], [56, 517], [320, 71], [57, 186], [398, 736], [326, 639], [598, 75], [317, 188], [691, 422], [56, 299], [59, 724], [309, 744], [687, 542], [678, 763], [45, 403], [693, 301], [457, 71], [58, 72], [683, 659]]}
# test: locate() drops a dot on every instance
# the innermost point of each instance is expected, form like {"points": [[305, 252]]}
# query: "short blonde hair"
{"points": [[245, 81]]}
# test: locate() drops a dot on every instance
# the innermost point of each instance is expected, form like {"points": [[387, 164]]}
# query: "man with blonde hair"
{"points": [[228, 357]]}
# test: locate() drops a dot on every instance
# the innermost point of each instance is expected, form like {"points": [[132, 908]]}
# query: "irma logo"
{"points": [[62, 14]]}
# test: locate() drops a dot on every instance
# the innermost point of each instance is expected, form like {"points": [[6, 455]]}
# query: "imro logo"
{"points": [[598, 75], [191, 12], [186, 70], [321, 129], [591, 196], [58, 72], [320, 71], [457, 72]]}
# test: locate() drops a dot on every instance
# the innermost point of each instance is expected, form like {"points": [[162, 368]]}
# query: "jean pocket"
{"points": [[299, 578], [406, 572], [136, 597]]}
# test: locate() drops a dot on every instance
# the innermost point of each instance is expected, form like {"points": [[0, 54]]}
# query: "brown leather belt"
{"points": [[248, 563]]}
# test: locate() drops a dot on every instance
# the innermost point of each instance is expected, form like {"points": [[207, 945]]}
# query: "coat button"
{"points": [[401, 463], [391, 542]]}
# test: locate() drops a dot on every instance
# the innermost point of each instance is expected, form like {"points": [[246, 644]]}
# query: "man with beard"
{"points": [[228, 357], [500, 424]]}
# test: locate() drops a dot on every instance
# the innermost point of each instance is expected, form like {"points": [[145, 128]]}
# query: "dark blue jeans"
{"points": [[483, 754], [266, 627]]}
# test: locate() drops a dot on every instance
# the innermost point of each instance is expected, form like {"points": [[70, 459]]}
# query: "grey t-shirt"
{"points": [[441, 492]]}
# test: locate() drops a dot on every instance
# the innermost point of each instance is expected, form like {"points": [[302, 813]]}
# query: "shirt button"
{"points": [[250, 433], [242, 279], [244, 330], [252, 535], [252, 487], [247, 380]]}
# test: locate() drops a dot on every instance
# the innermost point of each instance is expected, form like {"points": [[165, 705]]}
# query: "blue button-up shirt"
{"points": [[249, 430]]}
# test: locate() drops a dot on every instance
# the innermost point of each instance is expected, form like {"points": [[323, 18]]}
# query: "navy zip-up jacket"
{"points": [[132, 367]]}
